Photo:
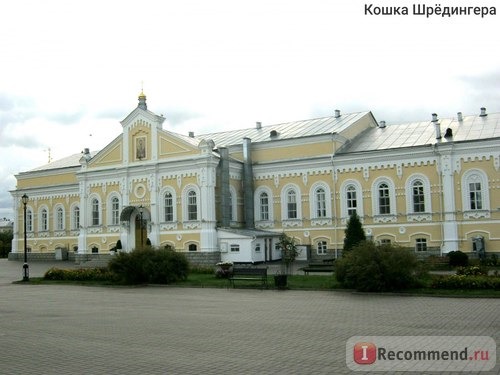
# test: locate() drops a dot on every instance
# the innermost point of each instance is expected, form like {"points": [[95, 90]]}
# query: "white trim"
{"points": [[284, 203], [343, 199], [377, 216], [163, 191], [313, 200], [257, 214], [475, 175], [185, 204], [411, 214]]}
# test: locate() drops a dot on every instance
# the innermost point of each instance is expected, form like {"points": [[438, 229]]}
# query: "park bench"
{"points": [[249, 274], [318, 267]]}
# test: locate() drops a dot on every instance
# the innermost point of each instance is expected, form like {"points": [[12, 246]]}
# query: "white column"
{"points": [[450, 224], [207, 176], [15, 239], [82, 237]]}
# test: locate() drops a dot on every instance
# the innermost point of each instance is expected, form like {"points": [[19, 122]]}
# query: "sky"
{"points": [[70, 71]]}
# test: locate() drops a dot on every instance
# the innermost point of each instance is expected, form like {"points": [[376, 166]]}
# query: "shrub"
{"points": [[457, 259], [463, 282], [149, 265], [376, 268], [81, 274], [472, 271]]}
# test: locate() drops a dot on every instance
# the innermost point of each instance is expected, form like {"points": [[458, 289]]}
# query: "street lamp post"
{"points": [[26, 272], [141, 208]]}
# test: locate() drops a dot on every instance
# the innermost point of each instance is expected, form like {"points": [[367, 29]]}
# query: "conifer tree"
{"points": [[354, 232]]}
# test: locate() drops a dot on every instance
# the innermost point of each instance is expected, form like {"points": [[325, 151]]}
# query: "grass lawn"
{"points": [[295, 282]]}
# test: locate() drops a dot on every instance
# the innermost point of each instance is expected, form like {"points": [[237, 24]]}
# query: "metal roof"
{"points": [[288, 130], [67, 162], [424, 133]]}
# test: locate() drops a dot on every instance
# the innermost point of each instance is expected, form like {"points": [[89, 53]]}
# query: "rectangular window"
{"points": [[29, 221], [418, 199], [235, 248], [264, 207], [192, 206], [352, 203], [476, 200], [321, 248], [169, 207], [384, 200], [385, 241], [421, 244], [320, 203], [292, 205], [76, 218]]}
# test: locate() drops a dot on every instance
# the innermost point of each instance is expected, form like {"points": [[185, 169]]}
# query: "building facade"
{"points": [[431, 186]]}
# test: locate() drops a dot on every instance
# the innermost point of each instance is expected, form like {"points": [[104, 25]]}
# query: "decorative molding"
{"points": [[264, 224], [476, 214], [113, 229], [289, 223], [94, 230], [390, 218], [59, 233], [168, 226], [191, 225], [321, 222], [419, 217]]}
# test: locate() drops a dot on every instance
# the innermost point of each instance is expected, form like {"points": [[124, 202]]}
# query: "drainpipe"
{"points": [[225, 192], [248, 184]]}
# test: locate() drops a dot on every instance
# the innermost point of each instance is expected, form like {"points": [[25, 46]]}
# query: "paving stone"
{"points": [[66, 329]]}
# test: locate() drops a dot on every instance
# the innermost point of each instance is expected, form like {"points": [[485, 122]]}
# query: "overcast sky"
{"points": [[71, 70]]}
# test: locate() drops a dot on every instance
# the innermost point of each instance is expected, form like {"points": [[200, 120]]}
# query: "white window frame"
{"points": [[29, 219], [343, 200], [322, 247], [285, 211], [75, 218], [173, 197], [92, 212], [234, 248], [390, 216], [258, 206], [315, 202], [114, 212], [421, 244], [426, 215], [59, 216], [475, 176], [43, 222], [186, 204]]}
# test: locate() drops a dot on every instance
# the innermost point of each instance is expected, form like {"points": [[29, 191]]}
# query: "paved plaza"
{"points": [[66, 329]]}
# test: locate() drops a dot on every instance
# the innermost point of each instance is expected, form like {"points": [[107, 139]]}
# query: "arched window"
{"points": [[264, 206], [44, 220], [384, 200], [291, 204], [115, 211], [95, 212], [476, 201], [418, 196], [192, 247], [29, 220], [320, 202], [351, 200], [75, 218], [59, 218], [192, 206], [169, 206]]}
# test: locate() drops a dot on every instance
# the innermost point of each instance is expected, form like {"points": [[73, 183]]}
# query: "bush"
{"points": [[149, 265], [81, 274], [472, 271], [457, 259], [463, 282], [377, 268]]}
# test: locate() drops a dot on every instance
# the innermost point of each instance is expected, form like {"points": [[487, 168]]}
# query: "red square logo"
{"points": [[365, 353]]}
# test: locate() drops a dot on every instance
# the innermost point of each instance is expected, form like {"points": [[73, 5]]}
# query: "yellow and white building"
{"points": [[431, 186]]}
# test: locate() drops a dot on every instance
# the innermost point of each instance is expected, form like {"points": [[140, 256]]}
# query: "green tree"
{"points": [[369, 267], [289, 251], [5, 243], [354, 233]]}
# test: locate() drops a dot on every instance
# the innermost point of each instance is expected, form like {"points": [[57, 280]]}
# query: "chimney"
{"points": [[337, 113], [381, 124], [483, 112], [248, 184], [191, 134], [437, 125], [460, 117], [258, 125]]}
